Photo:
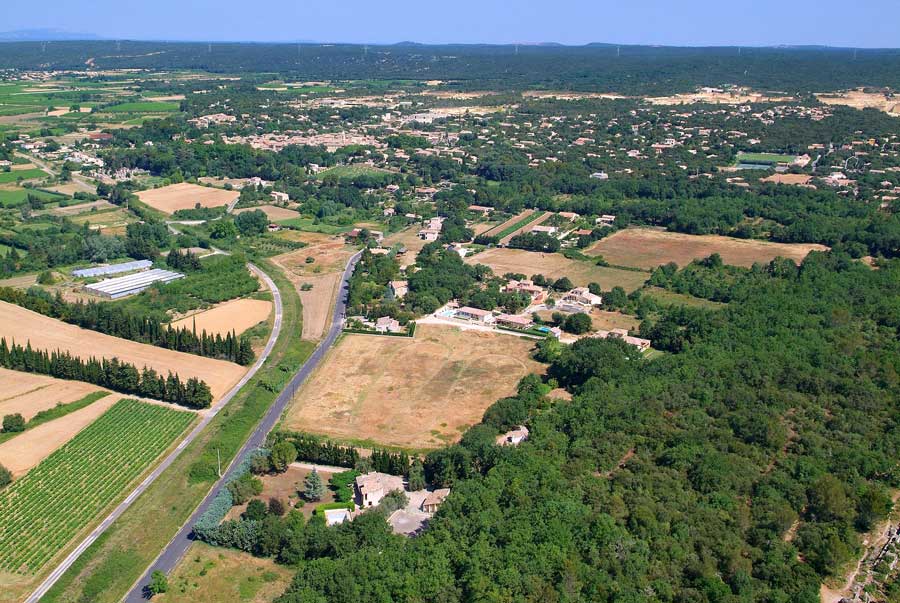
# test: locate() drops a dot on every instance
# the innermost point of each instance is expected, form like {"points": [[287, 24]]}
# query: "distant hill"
{"points": [[44, 35]]}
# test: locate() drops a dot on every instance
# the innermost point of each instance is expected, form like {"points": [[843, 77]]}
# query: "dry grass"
{"points": [[169, 199], [555, 265], [330, 255], [415, 393], [649, 248], [46, 333], [28, 394], [273, 212], [237, 315], [209, 574], [858, 99], [795, 179], [286, 487], [409, 238], [30, 447]]}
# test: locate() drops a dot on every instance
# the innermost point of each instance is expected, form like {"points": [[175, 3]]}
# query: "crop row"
{"points": [[41, 512]]}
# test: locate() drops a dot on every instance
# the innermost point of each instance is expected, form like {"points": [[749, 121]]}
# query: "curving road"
{"points": [[175, 550], [59, 570]]}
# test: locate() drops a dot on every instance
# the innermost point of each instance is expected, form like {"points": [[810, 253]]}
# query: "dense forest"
{"points": [[676, 479], [624, 69]]}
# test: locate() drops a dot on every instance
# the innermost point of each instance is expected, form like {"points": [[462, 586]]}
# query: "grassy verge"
{"points": [[60, 410], [106, 571]]}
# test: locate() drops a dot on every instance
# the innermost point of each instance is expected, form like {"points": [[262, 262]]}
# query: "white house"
{"points": [[373, 486]]}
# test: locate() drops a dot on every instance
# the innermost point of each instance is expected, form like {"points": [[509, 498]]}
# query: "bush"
{"points": [[13, 423], [256, 510], [158, 583], [342, 485], [5, 476], [276, 507]]}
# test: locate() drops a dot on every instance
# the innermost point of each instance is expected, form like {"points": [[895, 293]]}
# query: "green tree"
{"points": [[283, 454], [577, 323], [256, 510], [5, 476], [159, 583], [313, 488], [416, 476], [13, 423]]}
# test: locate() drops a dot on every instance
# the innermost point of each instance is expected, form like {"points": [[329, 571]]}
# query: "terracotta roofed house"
{"points": [[475, 315], [373, 486], [434, 499]]}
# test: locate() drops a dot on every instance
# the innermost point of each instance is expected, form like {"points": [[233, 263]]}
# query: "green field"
{"points": [[764, 158], [44, 510], [307, 225], [523, 222], [17, 196], [352, 171], [144, 107], [7, 177]]}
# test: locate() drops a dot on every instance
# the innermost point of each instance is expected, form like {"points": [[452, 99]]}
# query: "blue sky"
{"points": [[856, 23]]}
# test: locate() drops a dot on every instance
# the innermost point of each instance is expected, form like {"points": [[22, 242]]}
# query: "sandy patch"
{"points": [[30, 447], [49, 334], [273, 212], [649, 248], [169, 199], [237, 315], [858, 99], [795, 179]]}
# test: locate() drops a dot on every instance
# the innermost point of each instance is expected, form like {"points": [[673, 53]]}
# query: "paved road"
{"points": [[212, 412], [176, 549]]}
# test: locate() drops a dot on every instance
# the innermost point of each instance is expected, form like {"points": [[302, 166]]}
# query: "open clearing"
{"points": [[170, 199], [32, 446], [237, 315], [273, 212], [21, 325], [416, 393], [649, 248], [330, 255], [555, 265], [28, 394], [44, 510], [859, 99], [410, 239], [210, 574], [286, 487]]}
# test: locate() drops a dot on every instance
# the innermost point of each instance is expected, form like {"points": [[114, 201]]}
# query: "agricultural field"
{"points": [[13, 197], [184, 195], [108, 221], [416, 392], [555, 265], [511, 225], [648, 248], [27, 174], [213, 574], [410, 239], [43, 511], [143, 107], [23, 452], [28, 393], [351, 171], [273, 212], [21, 325], [763, 158], [237, 315], [330, 255], [664, 297]]}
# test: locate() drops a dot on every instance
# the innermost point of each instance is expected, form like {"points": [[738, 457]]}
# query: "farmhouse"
{"points": [[114, 288], [434, 500], [398, 289], [386, 324], [550, 230], [373, 486], [513, 437], [432, 229], [481, 209], [514, 321], [605, 220], [279, 197], [582, 298], [475, 315], [527, 287], [641, 344]]}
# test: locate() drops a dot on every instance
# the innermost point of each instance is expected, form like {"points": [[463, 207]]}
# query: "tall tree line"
{"points": [[120, 322]]}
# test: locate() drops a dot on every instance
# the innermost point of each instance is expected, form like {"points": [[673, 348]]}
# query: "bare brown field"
{"points": [[795, 179], [324, 274], [601, 319], [555, 265], [649, 248], [209, 574], [21, 325], [28, 394], [273, 212], [169, 199], [69, 188], [236, 315], [717, 98], [30, 447], [19, 282], [418, 393]]}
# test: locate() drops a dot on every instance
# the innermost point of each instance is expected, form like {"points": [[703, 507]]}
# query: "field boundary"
{"points": [[70, 559]]}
